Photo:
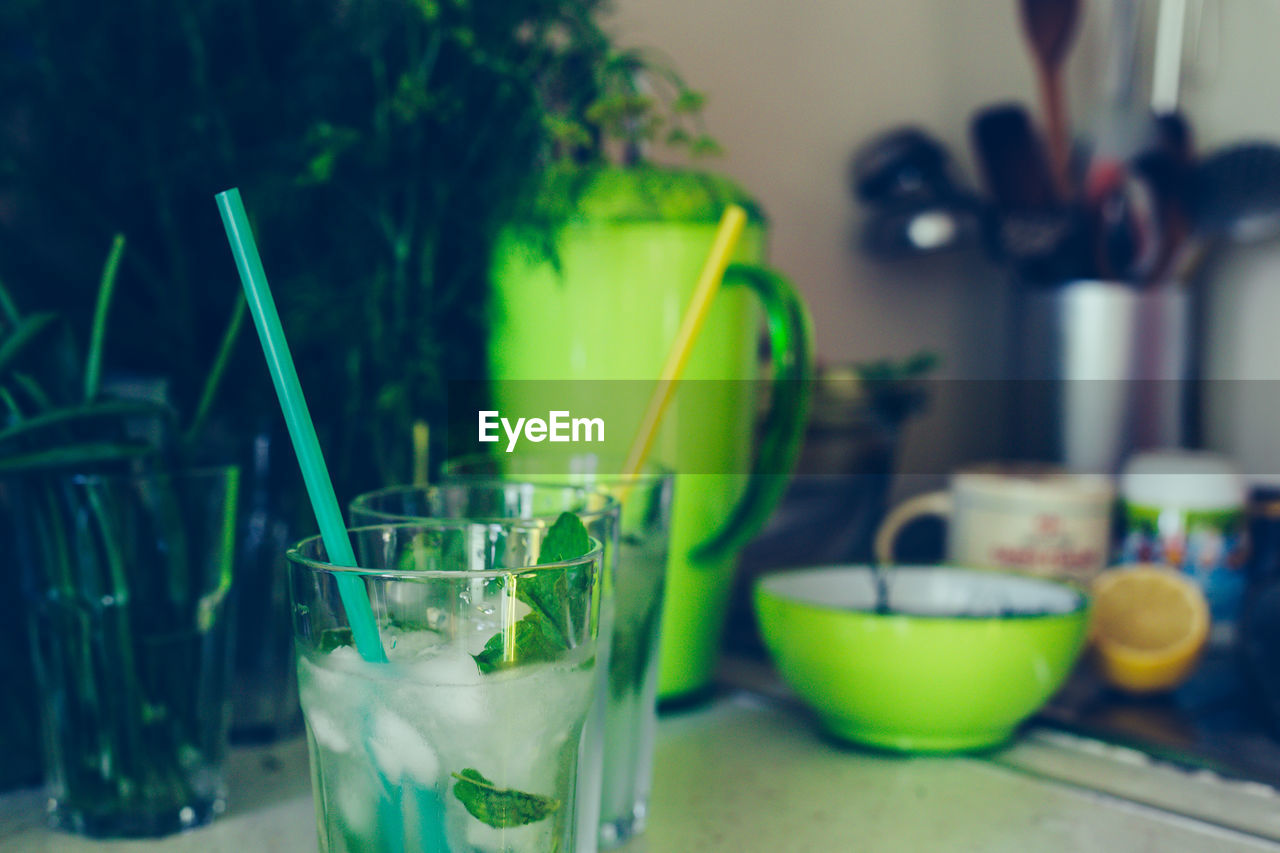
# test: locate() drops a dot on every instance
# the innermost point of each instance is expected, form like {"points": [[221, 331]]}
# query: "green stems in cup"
{"points": [[93, 366], [214, 380], [129, 640], [131, 661]]}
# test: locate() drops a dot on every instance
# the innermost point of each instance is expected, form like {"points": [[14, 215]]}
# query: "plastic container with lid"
{"points": [[1187, 509]]}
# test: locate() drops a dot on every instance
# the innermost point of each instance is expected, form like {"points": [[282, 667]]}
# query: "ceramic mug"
{"points": [[1024, 518], [589, 324]]}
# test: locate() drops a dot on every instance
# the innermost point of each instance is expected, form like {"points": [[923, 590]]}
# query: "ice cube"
{"points": [[356, 807], [327, 732], [450, 666], [329, 678], [410, 646], [450, 688], [344, 657], [400, 750]]}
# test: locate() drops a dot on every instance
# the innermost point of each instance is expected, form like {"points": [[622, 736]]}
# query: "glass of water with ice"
{"points": [[634, 595], [469, 736], [496, 498]]}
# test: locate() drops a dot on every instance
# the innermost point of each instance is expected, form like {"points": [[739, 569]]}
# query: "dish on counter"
{"points": [[938, 659]]}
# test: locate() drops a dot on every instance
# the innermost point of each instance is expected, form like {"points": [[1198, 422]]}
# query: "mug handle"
{"points": [[930, 503], [791, 354]]}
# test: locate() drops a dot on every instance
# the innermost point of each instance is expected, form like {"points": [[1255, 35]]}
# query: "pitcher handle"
{"points": [[791, 354]]}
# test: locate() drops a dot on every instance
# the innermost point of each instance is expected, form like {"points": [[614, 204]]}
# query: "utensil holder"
{"points": [[1103, 368]]}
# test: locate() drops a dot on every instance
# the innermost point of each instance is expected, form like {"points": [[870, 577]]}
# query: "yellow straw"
{"points": [[421, 452], [727, 235]]}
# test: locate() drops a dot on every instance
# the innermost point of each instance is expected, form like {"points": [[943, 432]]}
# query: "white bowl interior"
{"points": [[926, 591]]}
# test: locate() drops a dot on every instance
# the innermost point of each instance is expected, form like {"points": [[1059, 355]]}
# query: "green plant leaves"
{"points": [[73, 455], [98, 333], [77, 414], [501, 808], [688, 101], [23, 334]]}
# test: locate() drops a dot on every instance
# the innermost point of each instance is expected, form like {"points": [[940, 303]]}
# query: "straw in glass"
{"points": [[726, 239], [298, 418]]}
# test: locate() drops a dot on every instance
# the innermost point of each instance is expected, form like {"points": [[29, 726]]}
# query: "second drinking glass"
{"points": [[637, 585]]}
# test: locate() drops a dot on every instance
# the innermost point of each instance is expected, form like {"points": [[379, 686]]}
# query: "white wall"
{"points": [[796, 85]]}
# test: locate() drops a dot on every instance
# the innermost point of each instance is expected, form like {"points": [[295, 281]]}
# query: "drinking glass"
{"points": [[630, 689], [499, 499], [470, 735]]}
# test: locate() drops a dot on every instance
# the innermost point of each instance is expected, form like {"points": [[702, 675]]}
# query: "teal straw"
{"points": [[305, 444]]}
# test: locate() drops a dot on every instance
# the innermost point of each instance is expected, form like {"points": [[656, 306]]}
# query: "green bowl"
{"points": [[958, 661]]}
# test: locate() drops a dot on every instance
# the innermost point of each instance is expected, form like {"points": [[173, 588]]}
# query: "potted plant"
{"points": [[383, 146]]}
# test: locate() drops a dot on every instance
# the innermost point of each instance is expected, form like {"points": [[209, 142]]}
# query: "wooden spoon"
{"points": [[1050, 27]]}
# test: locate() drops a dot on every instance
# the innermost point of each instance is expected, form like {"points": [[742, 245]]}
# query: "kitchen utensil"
{"points": [[1173, 136], [1122, 127], [1125, 222], [1166, 163], [1167, 67], [1050, 27], [1140, 206], [1136, 183], [1166, 170], [1012, 160], [958, 661], [1236, 192], [1027, 225], [1043, 246], [1122, 52], [901, 165], [916, 208], [915, 229]]}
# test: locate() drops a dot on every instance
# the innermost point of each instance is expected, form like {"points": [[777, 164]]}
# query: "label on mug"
{"points": [[1016, 535], [1207, 545]]}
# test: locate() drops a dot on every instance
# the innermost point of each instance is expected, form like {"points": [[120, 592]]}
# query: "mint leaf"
{"points": [[535, 640], [630, 650], [500, 808], [543, 634], [566, 540], [332, 638]]}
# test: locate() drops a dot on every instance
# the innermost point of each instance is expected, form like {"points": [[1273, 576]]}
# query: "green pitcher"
{"points": [[597, 298]]}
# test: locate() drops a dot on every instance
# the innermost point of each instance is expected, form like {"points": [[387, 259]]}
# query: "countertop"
{"points": [[748, 772]]}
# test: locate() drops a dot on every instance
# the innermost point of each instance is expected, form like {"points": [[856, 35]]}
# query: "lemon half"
{"points": [[1149, 625]]}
